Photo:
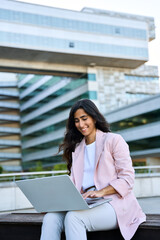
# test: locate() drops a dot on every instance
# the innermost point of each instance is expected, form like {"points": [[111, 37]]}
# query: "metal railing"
{"points": [[139, 171], [12, 198], [149, 171], [17, 201], [25, 175]]}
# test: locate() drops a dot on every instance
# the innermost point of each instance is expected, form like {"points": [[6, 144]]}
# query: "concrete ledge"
{"points": [[27, 226]]}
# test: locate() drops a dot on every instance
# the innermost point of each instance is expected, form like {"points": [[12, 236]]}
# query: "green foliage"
{"points": [[60, 166], [38, 167], [1, 169], [140, 164]]}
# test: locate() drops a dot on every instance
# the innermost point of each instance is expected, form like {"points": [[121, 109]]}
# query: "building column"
{"points": [[93, 85]]}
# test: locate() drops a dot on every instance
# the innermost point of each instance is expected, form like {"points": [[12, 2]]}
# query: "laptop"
{"points": [[56, 194]]}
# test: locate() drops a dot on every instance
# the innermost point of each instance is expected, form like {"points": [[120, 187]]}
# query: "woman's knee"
{"points": [[52, 218], [72, 218], [69, 218]]}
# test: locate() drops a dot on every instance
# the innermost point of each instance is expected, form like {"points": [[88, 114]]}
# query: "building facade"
{"points": [[139, 124], [59, 56], [120, 87], [10, 132], [88, 38]]}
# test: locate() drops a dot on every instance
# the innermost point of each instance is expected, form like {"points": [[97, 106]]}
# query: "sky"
{"points": [[149, 8]]}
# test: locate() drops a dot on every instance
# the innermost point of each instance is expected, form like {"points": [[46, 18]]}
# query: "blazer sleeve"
{"points": [[72, 174], [124, 182]]}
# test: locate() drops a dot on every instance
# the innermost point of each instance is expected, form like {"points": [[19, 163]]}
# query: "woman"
{"points": [[100, 166]]}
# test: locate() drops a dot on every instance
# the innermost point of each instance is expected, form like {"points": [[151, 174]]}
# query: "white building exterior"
{"points": [[61, 56], [89, 37]]}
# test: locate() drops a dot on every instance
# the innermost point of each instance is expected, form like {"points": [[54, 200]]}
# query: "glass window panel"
{"points": [[141, 78], [145, 144], [93, 95], [41, 20], [136, 120], [92, 77]]}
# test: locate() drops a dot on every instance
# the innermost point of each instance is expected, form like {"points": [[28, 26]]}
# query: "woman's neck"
{"points": [[90, 139]]}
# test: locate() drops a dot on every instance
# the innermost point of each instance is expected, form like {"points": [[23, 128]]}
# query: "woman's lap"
{"points": [[102, 217]]}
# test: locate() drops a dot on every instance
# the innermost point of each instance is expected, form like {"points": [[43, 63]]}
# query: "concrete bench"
{"points": [[27, 226]]}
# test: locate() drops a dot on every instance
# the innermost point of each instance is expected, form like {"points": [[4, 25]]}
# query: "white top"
{"points": [[89, 165]]}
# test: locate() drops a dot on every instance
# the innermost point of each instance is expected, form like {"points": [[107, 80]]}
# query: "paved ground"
{"points": [[149, 205]]}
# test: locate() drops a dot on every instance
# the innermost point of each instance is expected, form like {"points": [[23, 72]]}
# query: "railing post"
{"points": [[149, 171], [14, 179]]}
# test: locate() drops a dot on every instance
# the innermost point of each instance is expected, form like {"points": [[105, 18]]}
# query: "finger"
{"points": [[90, 195], [87, 194], [84, 195], [93, 195]]}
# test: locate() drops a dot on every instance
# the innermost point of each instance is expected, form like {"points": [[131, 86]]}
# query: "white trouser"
{"points": [[75, 223]]}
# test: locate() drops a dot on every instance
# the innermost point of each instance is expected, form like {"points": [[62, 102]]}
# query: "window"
{"points": [[76, 25], [71, 44], [117, 30]]}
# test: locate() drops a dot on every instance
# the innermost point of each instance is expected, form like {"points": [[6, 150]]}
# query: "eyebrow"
{"points": [[82, 116]]}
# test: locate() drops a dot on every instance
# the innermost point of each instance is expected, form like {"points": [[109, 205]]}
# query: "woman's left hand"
{"points": [[93, 194], [100, 193]]}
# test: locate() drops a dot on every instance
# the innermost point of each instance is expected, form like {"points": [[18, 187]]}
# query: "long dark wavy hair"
{"points": [[73, 136]]}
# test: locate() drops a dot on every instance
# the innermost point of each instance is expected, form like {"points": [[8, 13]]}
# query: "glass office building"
{"points": [[45, 102], [10, 132], [139, 124], [58, 56]]}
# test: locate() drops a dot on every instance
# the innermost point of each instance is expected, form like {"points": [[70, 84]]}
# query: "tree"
{"points": [[1, 169]]}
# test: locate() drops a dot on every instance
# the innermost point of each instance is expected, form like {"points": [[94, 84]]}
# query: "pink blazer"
{"points": [[113, 167]]}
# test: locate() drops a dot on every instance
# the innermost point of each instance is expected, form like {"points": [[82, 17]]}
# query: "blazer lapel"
{"points": [[78, 164], [100, 137]]}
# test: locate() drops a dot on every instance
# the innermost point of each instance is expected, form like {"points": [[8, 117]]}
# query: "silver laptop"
{"points": [[55, 194]]}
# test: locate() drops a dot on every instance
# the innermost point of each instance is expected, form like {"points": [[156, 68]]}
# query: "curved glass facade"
{"points": [[142, 133], [144, 144], [136, 121], [51, 131]]}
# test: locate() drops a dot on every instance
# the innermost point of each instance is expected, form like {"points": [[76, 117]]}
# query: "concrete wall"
{"points": [[116, 91], [147, 186], [12, 198]]}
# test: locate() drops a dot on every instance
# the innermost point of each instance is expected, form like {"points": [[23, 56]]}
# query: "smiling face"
{"points": [[86, 125]]}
